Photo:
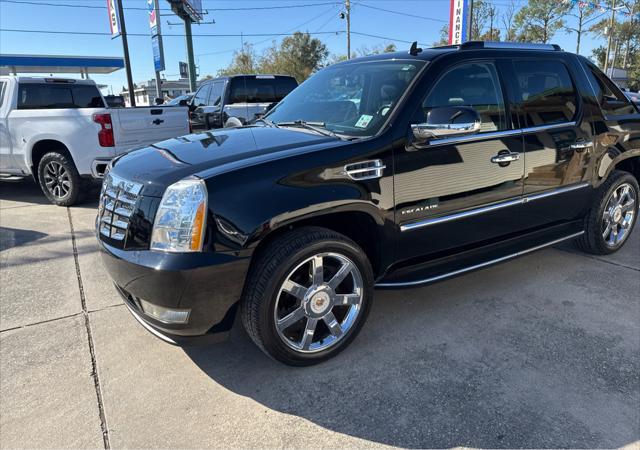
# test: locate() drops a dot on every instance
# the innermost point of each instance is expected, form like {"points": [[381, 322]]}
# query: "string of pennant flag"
{"points": [[601, 7]]}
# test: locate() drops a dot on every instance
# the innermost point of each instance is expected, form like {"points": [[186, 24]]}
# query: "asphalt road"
{"points": [[543, 351]]}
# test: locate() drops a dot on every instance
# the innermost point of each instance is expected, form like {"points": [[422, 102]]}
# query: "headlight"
{"points": [[181, 217]]}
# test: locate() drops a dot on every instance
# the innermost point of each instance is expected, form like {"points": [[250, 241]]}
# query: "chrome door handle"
{"points": [[581, 145], [502, 158]]}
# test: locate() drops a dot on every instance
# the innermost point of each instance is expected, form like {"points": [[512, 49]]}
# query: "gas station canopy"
{"points": [[60, 64]]}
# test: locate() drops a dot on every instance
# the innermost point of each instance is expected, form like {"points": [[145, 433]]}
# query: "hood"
{"points": [[166, 162]]}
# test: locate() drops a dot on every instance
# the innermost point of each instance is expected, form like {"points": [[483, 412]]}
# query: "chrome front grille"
{"points": [[117, 204]]}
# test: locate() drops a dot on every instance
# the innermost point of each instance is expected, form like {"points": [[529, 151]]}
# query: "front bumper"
{"points": [[209, 284]]}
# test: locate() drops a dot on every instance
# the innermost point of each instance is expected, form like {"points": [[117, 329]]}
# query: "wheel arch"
{"points": [[615, 159], [359, 226], [40, 148]]}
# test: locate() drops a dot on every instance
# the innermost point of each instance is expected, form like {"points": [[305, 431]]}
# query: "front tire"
{"points": [[59, 179], [307, 296], [613, 215]]}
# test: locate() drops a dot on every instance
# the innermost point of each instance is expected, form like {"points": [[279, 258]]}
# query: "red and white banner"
{"points": [[114, 22], [458, 22]]}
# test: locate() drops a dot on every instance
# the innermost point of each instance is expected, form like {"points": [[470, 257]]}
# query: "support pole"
{"points": [[470, 33], [347, 5], [190, 59], [610, 40], [158, 85], [125, 48]]}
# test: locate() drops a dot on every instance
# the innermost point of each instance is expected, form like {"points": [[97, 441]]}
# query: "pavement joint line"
{"points": [[40, 322], [19, 206], [598, 259], [91, 311], [87, 323]]}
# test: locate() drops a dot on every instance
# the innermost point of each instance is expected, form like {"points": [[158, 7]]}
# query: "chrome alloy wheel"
{"points": [[319, 302], [56, 179], [619, 215]]}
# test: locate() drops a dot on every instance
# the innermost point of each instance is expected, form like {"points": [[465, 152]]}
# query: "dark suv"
{"points": [[236, 100], [388, 171]]}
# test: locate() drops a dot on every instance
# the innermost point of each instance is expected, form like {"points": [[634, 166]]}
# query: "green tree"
{"points": [[444, 37], [244, 61], [484, 22], [584, 14], [539, 20], [298, 55], [508, 22]]}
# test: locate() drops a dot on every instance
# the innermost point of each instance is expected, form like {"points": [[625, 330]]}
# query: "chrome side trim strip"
{"points": [[475, 137], [485, 209], [500, 134], [460, 215], [552, 126], [553, 192], [479, 266]]}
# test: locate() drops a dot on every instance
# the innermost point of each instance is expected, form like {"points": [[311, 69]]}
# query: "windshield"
{"points": [[352, 99]]}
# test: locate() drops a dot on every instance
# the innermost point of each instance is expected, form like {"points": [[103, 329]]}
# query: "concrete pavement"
{"points": [[543, 351]]}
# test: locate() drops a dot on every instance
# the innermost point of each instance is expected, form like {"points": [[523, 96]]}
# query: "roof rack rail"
{"points": [[510, 45]]}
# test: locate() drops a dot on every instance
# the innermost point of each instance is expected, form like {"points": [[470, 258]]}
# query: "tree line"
{"points": [[540, 21]]}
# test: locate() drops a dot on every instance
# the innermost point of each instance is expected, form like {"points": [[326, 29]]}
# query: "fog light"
{"points": [[165, 315]]}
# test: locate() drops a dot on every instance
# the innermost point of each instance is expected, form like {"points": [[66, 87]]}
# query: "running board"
{"points": [[476, 266]]}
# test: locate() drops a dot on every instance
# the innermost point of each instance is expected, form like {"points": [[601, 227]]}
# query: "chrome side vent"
{"points": [[365, 170]]}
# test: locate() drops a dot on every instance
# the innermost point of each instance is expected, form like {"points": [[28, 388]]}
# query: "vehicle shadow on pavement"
{"points": [[547, 359], [26, 192], [14, 237], [23, 191]]}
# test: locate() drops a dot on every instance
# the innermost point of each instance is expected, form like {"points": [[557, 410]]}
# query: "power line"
{"points": [[297, 27], [400, 13], [133, 8], [95, 33], [386, 38]]}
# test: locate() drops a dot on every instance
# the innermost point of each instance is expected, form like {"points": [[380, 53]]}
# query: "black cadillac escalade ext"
{"points": [[387, 171]]}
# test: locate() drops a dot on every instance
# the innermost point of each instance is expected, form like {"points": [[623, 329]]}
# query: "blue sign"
{"points": [[158, 53]]}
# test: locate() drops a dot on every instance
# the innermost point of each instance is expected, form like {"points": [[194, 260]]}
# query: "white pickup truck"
{"points": [[62, 133]]}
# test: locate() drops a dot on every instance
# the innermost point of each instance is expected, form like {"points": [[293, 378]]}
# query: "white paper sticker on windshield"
{"points": [[363, 121]]}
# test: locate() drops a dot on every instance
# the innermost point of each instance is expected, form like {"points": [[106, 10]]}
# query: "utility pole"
{"points": [[190, 59], [125, 48], [470, 27], [610, 40], [347, 5]]}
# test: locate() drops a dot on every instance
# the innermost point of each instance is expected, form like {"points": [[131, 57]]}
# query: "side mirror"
{"points": [[448, 121], [159, 101], [183, 102]]}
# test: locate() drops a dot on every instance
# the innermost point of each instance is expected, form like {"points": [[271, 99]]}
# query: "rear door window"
{"points": [[611, 99], [546, 93]]}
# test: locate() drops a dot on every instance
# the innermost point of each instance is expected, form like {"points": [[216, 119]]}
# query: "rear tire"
{"points": [[59, 179], [613, 215], [307, 296]]}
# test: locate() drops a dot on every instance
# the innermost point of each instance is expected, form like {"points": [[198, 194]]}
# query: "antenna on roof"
{"points": [[414, 50]]}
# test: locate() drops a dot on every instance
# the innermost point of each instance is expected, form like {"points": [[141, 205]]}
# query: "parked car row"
{"points": [[237, 100], [389, 171], [61, 132]]}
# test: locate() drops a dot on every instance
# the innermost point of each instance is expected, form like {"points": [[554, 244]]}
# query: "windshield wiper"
{"points": [[318, 127]]}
